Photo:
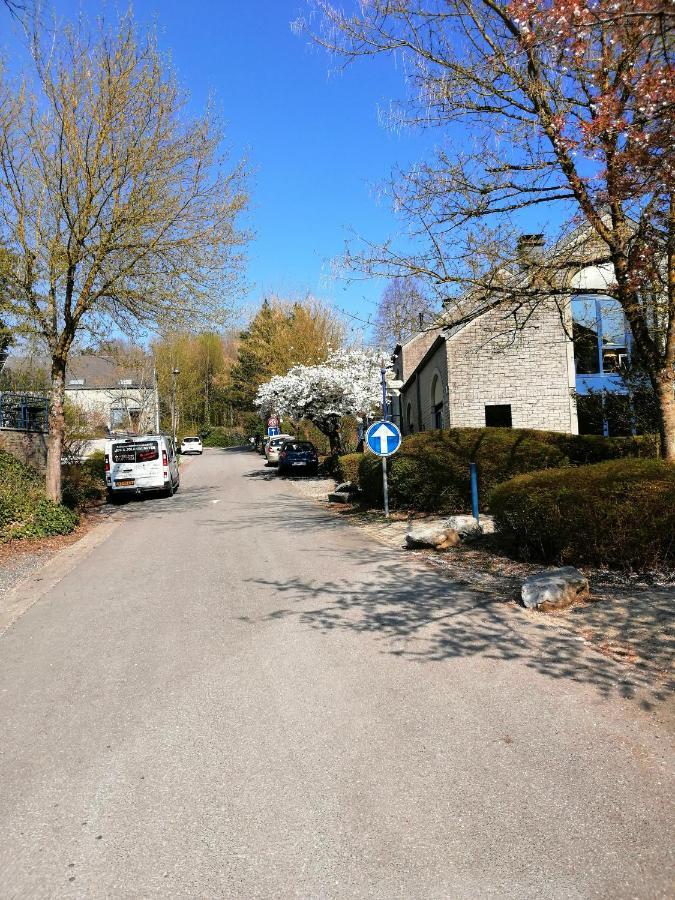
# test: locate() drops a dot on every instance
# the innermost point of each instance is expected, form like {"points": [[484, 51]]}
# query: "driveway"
{"points": [[235, 695]]}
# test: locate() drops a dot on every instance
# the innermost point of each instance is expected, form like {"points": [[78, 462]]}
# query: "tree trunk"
{"points": [[57, 427], [334, 435], [665, 392]]}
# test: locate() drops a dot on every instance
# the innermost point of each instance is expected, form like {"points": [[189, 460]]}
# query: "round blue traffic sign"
{"points": [[383, 438]]}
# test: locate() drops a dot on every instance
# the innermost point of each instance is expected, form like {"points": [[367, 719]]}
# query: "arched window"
{"points": [[410, 425], [437, 401]]}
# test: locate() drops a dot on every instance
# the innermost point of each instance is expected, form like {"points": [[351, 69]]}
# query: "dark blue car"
{"points": [[298, 457]]}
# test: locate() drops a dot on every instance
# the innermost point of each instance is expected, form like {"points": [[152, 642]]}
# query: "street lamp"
{"points": [[174, 377]]}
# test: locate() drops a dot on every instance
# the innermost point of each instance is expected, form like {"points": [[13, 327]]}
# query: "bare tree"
{"points": [[403, 310], [115, 206], [552, 105]]}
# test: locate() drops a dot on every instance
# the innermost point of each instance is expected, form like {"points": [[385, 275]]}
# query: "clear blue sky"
{"points": [[314, 139]]}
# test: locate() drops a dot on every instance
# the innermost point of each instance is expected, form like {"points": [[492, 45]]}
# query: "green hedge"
{"points": [[431, 471], [347, 467], [25, 510], [619, 513], [223, 437]]}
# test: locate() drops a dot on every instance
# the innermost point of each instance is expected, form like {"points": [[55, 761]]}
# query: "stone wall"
{"points": [[28, 446], [413, 351], [532, 370]]}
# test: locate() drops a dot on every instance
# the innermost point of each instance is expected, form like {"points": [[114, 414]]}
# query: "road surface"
{"points": [[235, 694]]}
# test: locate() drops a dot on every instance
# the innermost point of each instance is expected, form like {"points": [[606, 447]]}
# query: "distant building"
{"points": [[486, 373], [113, 396]]}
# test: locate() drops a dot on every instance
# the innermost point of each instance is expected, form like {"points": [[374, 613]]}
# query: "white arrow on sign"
{"points": [[382, 435]]}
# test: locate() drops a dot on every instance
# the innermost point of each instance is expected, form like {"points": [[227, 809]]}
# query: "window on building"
{"points": [[410, 425], [437, 402], [498, 415], [599, 333]]}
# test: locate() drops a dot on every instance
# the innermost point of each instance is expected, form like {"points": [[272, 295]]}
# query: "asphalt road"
{"points": [[236, 695]]}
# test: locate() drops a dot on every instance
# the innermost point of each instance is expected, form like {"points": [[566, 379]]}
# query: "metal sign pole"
{"points": [[385, 482]]}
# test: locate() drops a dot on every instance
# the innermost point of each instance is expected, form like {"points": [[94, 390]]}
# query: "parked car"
{"points": [[273, 446], [191, 445], [298, 456], [135, 465]]}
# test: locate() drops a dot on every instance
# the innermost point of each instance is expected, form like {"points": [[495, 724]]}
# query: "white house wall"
{"points": [[99, 401]]}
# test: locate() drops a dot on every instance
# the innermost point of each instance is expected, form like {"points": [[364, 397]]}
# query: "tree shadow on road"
{"points": [[420, 615]]}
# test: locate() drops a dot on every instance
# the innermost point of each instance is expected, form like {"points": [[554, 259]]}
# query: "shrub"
{"points": [[370, 478], [223, 437], [347, 467], [583, 449], [431, 470], [84, 482], [618, 513], [25, 511]]}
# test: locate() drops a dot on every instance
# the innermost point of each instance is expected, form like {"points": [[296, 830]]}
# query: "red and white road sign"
{"points": [[273, 422]]}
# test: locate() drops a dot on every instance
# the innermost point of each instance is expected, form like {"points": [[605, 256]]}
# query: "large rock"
{"points": [[554, 588], [465, 526], [438, 535]]}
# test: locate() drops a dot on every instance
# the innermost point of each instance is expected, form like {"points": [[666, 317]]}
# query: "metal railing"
{"points": [[24, 412]]}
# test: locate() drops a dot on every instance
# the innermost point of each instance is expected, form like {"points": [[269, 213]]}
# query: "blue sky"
{"points": [[314, 139]]}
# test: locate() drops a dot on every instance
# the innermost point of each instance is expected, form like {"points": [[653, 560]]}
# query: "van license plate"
{"points": [[124, 482]]}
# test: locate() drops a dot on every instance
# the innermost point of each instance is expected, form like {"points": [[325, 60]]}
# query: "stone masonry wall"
{"points": [[28, 446], [533, 371]]}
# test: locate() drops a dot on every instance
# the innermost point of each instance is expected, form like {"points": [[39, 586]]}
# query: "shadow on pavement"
{"points": [[421, 614]]}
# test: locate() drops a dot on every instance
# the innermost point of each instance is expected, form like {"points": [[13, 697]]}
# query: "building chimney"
{"points": [[530, 250]]}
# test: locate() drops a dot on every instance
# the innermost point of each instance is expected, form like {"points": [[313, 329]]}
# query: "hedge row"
{"points": [[619, 514], [223, 437], [430, 473], [25, 510]]}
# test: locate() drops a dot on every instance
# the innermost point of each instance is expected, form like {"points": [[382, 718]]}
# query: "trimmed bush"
{"points": [[431, 471], [619, 513], [347, 467], [25, 511], [583, 449]]}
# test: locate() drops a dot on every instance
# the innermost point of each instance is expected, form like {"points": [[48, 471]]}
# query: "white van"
{"points": [[136, 464]]}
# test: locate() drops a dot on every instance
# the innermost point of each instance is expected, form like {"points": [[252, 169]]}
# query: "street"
{"points": [[236, 694]]}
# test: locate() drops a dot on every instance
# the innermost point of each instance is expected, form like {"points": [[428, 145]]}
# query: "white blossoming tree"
{"points": [[347, 384]]}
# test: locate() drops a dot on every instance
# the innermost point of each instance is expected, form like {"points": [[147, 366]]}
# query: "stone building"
{"points": [[488, 373]]}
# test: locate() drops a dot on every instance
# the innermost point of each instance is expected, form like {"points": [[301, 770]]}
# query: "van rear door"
{"points": [[136, 464]]}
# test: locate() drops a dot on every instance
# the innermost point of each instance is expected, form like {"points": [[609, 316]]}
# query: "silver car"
{"points": [[273, 447]]}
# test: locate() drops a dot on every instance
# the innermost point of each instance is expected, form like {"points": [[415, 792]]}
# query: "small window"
{"points": [[498, 416], [76, 382], [126, 382]]}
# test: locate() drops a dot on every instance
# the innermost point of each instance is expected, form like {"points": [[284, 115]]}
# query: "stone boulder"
{"points": [[554, 589], [465, 526], [438, 535], [346, 488]]}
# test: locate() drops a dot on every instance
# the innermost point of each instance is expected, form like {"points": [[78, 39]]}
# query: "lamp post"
{"points": [[174, 377]]}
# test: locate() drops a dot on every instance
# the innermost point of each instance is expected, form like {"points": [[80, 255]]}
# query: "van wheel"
{"points": [[169, 491]]}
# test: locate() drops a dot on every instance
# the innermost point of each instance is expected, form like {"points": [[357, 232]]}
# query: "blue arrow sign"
{"points": [[383, 438], [273, 432]]}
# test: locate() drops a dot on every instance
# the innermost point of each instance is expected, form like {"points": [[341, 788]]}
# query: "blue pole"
{"points": [[383, 373], [474, 489]]}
